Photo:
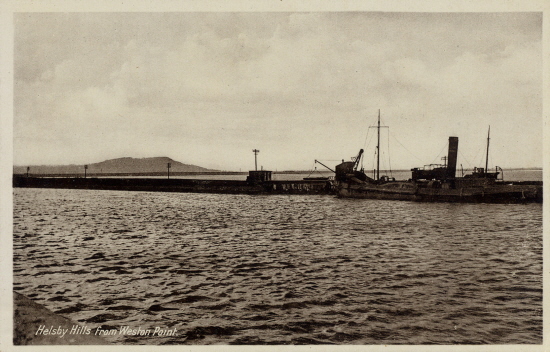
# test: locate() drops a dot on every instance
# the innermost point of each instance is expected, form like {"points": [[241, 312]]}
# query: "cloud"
{"points": [[107, 85]]}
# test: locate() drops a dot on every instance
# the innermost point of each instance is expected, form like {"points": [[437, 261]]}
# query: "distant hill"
{"points": [[115, 166]]}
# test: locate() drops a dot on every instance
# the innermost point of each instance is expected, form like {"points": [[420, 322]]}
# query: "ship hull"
{"points": [[409, 191]]}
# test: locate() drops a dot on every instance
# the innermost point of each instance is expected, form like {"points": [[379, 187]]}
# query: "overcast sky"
{"points": [[207, 88]]}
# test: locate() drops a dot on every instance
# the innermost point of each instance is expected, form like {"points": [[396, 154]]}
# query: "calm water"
{"points": [[240, 269]]}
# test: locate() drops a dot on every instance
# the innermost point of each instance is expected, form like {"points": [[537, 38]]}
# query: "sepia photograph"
{"points": [[343, 177]]}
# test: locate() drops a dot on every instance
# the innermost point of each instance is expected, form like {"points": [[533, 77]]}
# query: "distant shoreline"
{"points": [[213, 173]]}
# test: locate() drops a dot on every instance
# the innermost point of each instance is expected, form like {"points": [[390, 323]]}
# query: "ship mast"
{"points": [[378, 150], [378, 147], [487, 155]]}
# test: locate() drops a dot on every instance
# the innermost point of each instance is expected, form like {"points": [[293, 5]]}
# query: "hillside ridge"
{"points": [[117, 165]]}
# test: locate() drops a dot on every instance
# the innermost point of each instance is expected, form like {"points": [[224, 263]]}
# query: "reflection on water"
{"points": [[240, 269]]}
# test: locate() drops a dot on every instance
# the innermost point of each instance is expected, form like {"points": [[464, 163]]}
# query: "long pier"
{"points": [[178, 185]]}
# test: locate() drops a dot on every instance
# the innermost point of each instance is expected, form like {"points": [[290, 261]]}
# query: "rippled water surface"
{"points": [[240, 269]]}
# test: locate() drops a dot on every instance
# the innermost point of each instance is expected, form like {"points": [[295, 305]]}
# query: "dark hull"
{"points": [[505, 193]]}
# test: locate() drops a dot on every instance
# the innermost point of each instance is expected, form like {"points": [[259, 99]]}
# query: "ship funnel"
{"points": [[452, 157]]}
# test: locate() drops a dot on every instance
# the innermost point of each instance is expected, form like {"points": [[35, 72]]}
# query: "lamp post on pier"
{"points": [[85, 168], [169, 166], [256, 151], [28, 168]]}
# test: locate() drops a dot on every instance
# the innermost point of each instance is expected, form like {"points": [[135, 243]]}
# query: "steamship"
{"points": [[435, 184]]}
